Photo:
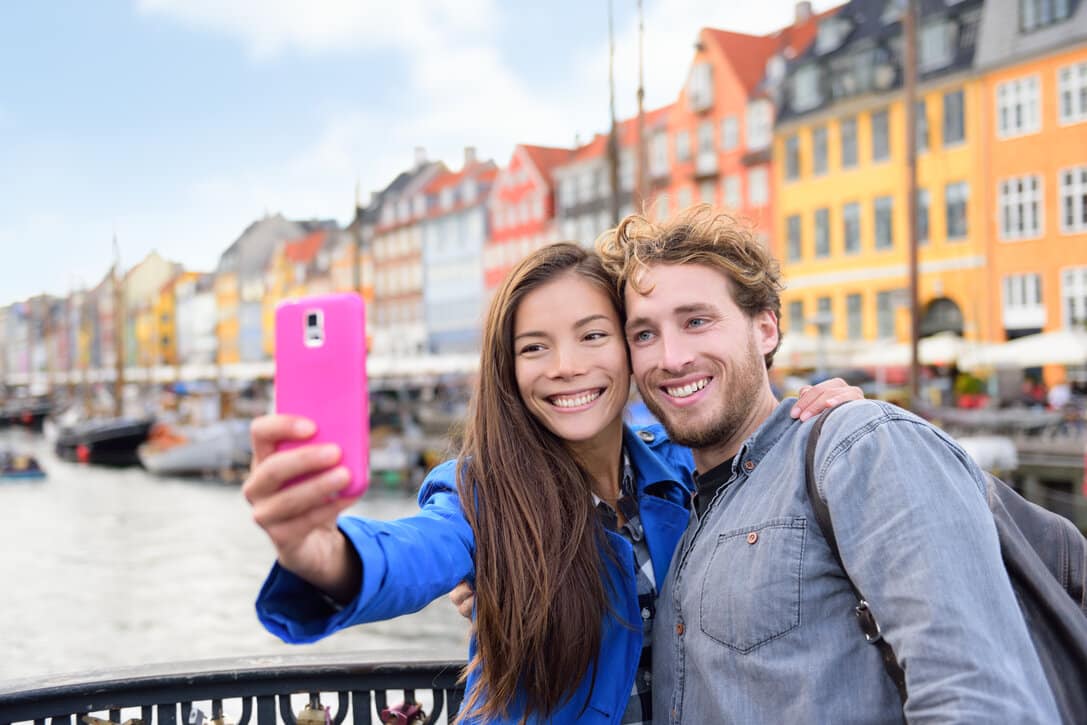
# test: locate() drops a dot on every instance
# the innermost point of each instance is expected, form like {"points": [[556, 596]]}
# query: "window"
{"points": [[733, 193], [1034, 14], [1023, 308], [1072, 92], [796, 316], [881, 143], [848, 131], [883, 208], [851, 227], [792, 239], [706, 162], [824, 311], [937, 47], [1017, 107], [626, 170], [1074, 200], [885, 314], [822, 232], [954, 118], [658, 155], [921, 127], [758, 187], [707, 192], [1020, 206], [807, 93], [760, 124], [854, 320], [683, 146], [730, 133], [819, 150], [922, 216], [792, 157], [956, 197], [683, 197], [1074, 297], [700, 87]]}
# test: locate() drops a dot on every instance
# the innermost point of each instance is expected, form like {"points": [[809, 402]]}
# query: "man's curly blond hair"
{"points": [[698, 235]]}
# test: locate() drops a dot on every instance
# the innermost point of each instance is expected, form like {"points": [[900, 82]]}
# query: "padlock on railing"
{"points": [[406, 713], [314, 713]]}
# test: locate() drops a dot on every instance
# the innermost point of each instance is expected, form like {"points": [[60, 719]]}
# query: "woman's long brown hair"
{"points": [[540, 591]]}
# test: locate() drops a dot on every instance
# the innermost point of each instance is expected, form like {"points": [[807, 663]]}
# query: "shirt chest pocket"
{"points": [[751, 584]]}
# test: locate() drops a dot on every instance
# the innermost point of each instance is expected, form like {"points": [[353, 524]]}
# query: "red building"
{"points": [[522, 209], [720, 130]]}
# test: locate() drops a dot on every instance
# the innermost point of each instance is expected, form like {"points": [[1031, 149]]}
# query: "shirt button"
{"points": [[752, 537], [749, 465], [645, 613], [679, 629]]}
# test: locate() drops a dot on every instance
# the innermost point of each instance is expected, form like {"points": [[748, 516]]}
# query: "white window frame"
{"points": [[730, 132], [707, 192], [952, 190], [683, 146], [1072, 80], [758, 187], [760, 124], [936, 45], [851, 221], [1021, 207], [1022, 301], [1019, 96], [733, 196], [1074, 297], [700, 87], [1073, 190]]}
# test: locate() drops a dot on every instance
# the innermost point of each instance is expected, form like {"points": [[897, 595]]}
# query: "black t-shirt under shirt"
{"points": [[709, 483]]}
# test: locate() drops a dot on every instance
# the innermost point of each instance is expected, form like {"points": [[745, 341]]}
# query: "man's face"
{"points": [[696, 357]]}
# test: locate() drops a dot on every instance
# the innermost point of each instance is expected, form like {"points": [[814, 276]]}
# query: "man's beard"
{"points": [[738, 396]]}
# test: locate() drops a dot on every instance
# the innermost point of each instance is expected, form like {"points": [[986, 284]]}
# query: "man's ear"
{"points": [[765, 323]]}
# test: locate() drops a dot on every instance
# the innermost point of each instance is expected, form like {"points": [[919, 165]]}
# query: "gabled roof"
{"points": [[628, 136], [303, 250], [546, 158]]}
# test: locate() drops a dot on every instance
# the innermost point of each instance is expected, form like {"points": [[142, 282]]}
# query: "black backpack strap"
{"points": [[865, 618]]}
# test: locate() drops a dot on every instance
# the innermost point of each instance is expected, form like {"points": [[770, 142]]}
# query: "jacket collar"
{"points": [[649, 469]]}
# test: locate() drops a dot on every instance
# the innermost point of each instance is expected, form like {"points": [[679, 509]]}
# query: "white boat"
{"points": [[212, 448]]}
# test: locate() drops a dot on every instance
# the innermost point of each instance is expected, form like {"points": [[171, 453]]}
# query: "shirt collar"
{"points": [[768, 434]]}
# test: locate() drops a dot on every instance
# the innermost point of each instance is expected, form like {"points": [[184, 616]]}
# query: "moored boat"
{"points": [[19, 467], [213, 448], [109, 442]]}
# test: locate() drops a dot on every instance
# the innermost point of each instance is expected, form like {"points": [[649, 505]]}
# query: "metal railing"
{"points": [[295, 690]]}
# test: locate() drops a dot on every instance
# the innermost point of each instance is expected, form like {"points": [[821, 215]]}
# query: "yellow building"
{"points": [[227, 303], [165, 316], [842, 187]]}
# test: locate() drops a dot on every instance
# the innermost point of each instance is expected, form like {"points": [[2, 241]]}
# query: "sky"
{"points": [[173, 124]]}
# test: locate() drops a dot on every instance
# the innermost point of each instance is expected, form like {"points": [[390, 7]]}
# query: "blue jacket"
{"points": [[409, 562]]}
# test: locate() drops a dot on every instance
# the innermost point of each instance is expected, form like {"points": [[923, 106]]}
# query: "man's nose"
{"points": [[675, 353]]}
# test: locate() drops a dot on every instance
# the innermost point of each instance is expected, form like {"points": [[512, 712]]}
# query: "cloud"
{"points": [[271, 27]]}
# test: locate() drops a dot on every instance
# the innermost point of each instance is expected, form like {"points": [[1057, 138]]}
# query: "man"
{"points": [[755, 622]]}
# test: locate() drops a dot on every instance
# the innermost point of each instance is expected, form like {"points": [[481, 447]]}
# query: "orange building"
{"points": [[720, 131], [1037, 190]]}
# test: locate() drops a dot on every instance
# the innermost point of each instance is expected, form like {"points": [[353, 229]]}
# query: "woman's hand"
{"points": [[300, 519], [814, 399]]}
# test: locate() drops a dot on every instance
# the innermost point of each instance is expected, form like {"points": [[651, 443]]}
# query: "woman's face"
{"points": [[571, 358]]}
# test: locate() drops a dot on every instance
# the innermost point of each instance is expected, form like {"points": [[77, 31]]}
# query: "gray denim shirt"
{"points": [[755, 622]]}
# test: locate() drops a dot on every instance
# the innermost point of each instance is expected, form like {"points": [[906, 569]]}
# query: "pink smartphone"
{"points": [[320, 374]]}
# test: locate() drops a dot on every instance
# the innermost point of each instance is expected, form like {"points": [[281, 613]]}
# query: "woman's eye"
{"points": [[535, 347], [596, 336]]}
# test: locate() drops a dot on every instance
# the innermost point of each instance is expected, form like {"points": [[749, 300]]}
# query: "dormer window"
{"points": [[468, 191], [831, 34], [775, 69], [1034, 14], [807, 93], [447, 198], [419, 205], [892, 11], [700, 87], [937, 47]]}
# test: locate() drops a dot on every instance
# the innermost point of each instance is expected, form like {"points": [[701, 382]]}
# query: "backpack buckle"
{"points": [[868, 622]]}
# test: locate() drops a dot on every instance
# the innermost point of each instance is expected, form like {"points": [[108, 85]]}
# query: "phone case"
{"points": [[321, 374]]}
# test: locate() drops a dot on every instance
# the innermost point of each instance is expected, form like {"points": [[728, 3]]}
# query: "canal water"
{"points": [[103, 568]]}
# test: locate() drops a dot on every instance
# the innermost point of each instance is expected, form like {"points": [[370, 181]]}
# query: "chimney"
{"points": [[803, 12], [469, 156], [420, 156]]}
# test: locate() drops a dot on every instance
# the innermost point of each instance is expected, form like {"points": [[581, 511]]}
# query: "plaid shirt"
{"points": [[639, 709]]}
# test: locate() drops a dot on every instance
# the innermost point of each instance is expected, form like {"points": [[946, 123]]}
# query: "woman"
{"points": [[574, 525]]}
